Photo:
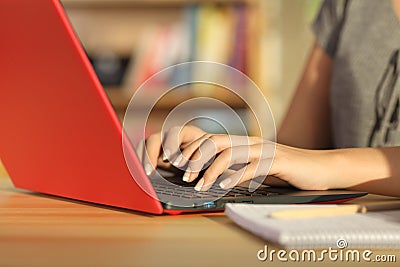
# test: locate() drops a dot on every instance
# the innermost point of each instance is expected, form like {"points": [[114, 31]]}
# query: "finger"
{"points": [[253, 169], [214, 145], [189, 150], [163, 164], [222, 141], [238, 155], [206, 151], [177, 136], [217, 167], [171, 142], [152, 152]]}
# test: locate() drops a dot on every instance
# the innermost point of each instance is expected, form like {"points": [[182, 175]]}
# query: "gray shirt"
{"points": [[363, 39]]}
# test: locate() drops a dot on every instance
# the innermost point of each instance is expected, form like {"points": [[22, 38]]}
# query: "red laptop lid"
{"points": [[59, 133]]}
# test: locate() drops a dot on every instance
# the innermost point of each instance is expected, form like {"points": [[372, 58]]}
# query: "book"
{"points": [[378, 229], [204, 32]]}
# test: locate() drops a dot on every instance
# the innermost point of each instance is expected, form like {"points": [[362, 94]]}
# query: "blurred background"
{"points": [[127, 41]]}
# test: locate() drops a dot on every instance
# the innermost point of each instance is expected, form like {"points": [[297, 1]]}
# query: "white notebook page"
{"points": [[371, 230]]}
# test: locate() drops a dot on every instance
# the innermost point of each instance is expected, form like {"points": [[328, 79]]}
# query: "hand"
{"points": [[193, 148], [160, 151]]}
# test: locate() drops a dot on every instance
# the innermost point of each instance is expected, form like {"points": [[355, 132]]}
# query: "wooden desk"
{"points": [[38, 230]]}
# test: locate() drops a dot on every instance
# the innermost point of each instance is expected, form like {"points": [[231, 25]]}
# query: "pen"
{"points": [[322, 211]]}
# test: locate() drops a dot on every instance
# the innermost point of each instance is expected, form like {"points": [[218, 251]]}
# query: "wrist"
{"points": [[336, 164], [355, 166]]}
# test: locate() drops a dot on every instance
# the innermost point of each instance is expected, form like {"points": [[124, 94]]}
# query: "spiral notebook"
{"points": [[379, 229]]}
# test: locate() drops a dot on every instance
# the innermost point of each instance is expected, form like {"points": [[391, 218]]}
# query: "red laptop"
{"points": [[59, 133]]}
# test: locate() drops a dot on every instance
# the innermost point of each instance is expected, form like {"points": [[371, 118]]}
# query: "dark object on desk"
{"points": [[109, 67]]}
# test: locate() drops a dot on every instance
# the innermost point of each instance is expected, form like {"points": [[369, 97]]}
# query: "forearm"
{"points": [[307, 122], [375, 170]]}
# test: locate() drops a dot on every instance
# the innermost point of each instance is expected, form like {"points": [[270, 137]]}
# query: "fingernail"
{"points": [[206, 186], [199, 185], [225, 183], [166, 155], [177, 160], [185, 177], [148, 169]]}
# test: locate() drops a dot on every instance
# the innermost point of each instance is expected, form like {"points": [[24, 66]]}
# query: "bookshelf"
{"points": [[276, 39], [212, 30]]}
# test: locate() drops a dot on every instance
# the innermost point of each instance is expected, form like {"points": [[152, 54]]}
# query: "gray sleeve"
{"points": [[328, 24]]}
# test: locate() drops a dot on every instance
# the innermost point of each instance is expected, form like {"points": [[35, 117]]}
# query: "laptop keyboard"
{"points": [[215, 191]]}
